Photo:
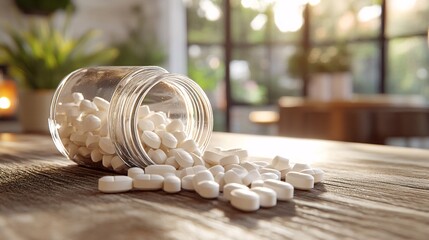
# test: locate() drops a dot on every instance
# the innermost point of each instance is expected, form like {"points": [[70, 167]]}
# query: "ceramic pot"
{"points": [[34, 107]]}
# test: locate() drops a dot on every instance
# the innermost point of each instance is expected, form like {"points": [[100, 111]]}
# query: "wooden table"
{"points": [[370, 192], [363, 118]]}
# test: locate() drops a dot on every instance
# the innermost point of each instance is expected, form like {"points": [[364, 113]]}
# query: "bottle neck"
{"points": [[177, 96]]}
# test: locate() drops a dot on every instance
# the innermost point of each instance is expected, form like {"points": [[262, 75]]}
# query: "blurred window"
{"points": [[384, 43]]}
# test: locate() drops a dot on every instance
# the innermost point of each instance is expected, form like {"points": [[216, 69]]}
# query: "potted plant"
{"points": [[329, 71], [39, 58]]}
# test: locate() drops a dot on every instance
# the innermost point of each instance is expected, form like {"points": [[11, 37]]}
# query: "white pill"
{"points": [[205, 175], [298, 167], [230, 159], [212, 157], [318, 175], [168, 139], [183, 158], [280, 163], [179, 173], [245, 200], [270, 170], [101, 103], [102, 115], [117, 163], [87, 106], [198, 161], [107, 161], [199, 153], [251, 176], [78, 138], [65, 131], [146, 125], [284, 172], [249, 166], [106, 145], [236, 168], [72, 149], [157, 118], [104, 130], [92, 141], [175, 125], [96, 155], [220, 180], [299, 180], [148, 182], [180, 136], [207, 189], [216, 169], [232, 177], [162, 170], [266, 176], [257, 183], [187, 183], [90, 123], [199, 168], [151, 139], [134, 171], [84, 152], [189, 145], [242, 154], [158, 156], [144, 111], [229, 187], [115, 184], [284, 190], [172, 184], [172, 162], [77, 97], [267, 196]]}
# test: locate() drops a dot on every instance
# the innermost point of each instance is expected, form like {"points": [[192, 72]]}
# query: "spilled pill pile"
{"points": [[180, 164], [247, 185]]}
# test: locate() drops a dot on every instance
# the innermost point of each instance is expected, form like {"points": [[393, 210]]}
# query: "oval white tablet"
{"points": [[267, 196], [284, 190], [245, 200], [115, 184], [299, 180]]}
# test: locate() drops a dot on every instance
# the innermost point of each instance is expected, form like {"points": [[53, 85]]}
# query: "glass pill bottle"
{"points": [[116, 117]]}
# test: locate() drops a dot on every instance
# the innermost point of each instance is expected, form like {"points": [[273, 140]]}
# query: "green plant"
{"points": [[142, 48], [42, 55], [320, 60]]}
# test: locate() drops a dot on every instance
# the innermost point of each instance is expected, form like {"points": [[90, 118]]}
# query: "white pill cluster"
{"points": [[228, 174], [83, 130], [179, 161]]}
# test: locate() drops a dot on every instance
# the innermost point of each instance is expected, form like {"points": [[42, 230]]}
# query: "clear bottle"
{"points": [[121, 96]]}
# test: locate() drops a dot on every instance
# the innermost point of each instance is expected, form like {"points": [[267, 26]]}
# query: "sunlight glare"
{"points": [[258, 22], [5, 103]]}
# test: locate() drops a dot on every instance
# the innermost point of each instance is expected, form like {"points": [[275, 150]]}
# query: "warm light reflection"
{"points": [[214, 62], [240, 70], [369, 13], [210, 11], [258, 22], [4, 103], [402, 5], [194, 51], [288, 15], [257, 5]]}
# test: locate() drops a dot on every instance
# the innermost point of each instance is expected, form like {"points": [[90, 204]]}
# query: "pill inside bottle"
{"points": [[114, 118]]}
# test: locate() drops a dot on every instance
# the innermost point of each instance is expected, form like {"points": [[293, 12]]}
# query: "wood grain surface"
{"points": [[370, 192]]}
